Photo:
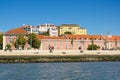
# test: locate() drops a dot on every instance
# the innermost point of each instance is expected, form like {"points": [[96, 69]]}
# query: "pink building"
{"points": [[66, 42], [10, 37]]}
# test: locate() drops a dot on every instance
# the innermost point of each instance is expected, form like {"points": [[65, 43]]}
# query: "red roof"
{"points": [[112, 37], [40, 36], [48, 37], [53, 37], [89, 37], [16, 31], [84, 37]]}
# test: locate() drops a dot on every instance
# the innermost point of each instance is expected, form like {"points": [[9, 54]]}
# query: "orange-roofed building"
{"points": [[105, 42], [59, 43], [10, 36]]}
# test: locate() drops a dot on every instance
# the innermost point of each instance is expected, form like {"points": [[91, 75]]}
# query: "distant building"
{"points": [[50, 28], [30, 29], [73, 28], [53, 31]]}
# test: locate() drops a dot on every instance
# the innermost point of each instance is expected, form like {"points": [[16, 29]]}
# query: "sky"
{"points": [[97, 16]]}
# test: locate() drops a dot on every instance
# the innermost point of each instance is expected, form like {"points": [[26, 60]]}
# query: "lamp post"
{"points": [[31, 41], [31, 36]]}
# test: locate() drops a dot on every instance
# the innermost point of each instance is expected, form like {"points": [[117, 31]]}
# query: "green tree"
{"points": [[33, 41], [67, 32], [8, 46], [93, 46], [45, 33], [1, 41], [20, 41]]}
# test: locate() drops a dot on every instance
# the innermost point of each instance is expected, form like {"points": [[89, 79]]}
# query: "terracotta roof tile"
{"points": [[89, 37], [112, 37], [16, 31], [40, 36], [49, 37]]}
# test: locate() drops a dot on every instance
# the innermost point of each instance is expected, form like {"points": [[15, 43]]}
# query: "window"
{"points": [[90, 38], [10, 39]]}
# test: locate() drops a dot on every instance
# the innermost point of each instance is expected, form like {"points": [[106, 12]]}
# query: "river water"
{"points": [[61, 71]]}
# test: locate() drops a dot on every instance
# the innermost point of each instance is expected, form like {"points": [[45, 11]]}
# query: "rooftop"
{"points": [[71, 25], [49, 37], [16, 31]]}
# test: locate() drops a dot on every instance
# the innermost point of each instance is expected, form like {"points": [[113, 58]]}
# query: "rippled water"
{"points": [[61, 71]]}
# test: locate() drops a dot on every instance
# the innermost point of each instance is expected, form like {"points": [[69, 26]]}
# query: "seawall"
{"points": [[57, 56]]}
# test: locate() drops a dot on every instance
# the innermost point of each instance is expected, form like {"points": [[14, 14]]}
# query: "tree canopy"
{"points": [[93, 46], [67, 32], [33, 41], [20, 41], [45, 33], [8, 46]]}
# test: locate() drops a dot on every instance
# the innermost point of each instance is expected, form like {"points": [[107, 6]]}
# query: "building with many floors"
{"points": [[30, 29], [50, 28], [73, 28]]}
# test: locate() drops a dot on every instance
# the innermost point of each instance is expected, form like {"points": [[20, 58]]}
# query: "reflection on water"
{"points": [[61, 71]]}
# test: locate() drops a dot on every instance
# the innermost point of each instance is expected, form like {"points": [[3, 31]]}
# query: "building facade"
{"points": [[10, 37], [50, 28], [73, 28], [65, 42], [53, 31], [30, 29]]}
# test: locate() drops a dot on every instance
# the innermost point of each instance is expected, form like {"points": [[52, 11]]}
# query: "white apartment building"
{"points": [[52, 29], [30, 29]]}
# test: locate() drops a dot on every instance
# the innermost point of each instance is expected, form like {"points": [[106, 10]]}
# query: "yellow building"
{"points": [[73, 28]]}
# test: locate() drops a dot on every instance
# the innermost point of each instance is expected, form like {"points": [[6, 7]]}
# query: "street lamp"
{"points": [[31, 36]]}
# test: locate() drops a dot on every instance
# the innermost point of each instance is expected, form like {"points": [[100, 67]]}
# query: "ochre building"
{"points": [[73, 28]]}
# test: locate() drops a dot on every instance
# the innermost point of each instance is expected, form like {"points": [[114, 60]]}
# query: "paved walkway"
{"points": [[55, 52]]}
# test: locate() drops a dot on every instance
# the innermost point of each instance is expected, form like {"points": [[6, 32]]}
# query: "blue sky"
{"points": [[97, 16]]}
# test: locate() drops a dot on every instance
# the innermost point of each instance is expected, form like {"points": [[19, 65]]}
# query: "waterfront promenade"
{"points": [[57, 52]]}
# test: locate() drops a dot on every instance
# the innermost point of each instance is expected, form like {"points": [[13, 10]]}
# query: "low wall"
{"points": [[25, 56]]}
